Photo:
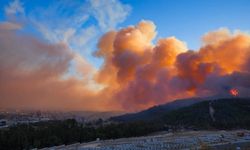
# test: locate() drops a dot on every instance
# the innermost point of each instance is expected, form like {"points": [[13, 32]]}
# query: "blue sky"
{"points": [[186, 20]]}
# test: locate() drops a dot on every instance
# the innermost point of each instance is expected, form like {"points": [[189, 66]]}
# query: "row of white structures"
{"points": [[188, 140]]}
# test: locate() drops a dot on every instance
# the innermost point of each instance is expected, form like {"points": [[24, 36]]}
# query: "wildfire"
{"points": [[234, 92]]}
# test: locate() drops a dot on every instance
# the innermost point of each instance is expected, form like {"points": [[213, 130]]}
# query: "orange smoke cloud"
{"points": [[146, 74], [136, 73]]}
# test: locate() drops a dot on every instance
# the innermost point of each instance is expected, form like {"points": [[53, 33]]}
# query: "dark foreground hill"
{"points": [[224, 113], [196, 113], [228, 114]]}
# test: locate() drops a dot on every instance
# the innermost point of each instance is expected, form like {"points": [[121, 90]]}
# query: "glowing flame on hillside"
{"points": [[234, 92]]}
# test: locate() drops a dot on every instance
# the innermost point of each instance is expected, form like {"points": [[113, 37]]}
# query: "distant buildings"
{"points": [[13, 117]]}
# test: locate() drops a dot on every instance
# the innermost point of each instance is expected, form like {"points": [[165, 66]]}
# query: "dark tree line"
{"points": [[53, 133]]}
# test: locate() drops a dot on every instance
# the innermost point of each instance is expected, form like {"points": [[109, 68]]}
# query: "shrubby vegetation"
{"points": [[229, 114]]}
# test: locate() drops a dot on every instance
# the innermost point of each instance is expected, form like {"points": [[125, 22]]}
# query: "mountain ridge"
{"points": [[178, 113], [146, 114]]}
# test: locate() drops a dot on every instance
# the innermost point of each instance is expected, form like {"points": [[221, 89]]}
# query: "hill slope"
{"points": [[157, 112], [228, 113]]}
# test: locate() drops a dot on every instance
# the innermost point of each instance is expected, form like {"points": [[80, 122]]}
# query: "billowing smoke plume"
{"points": [[140, 74], [136, 72]]}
